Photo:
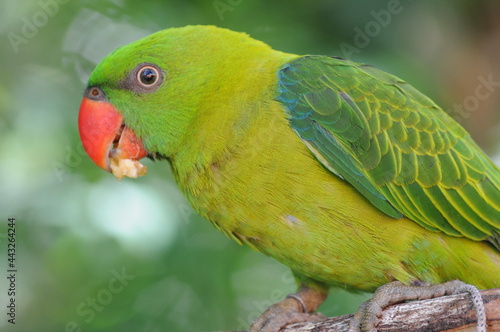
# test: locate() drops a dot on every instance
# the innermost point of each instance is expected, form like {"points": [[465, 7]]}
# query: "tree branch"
{"points": [[448, 313]]}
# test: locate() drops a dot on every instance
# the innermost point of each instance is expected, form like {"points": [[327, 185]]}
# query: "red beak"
{"points": [[104, 135]]}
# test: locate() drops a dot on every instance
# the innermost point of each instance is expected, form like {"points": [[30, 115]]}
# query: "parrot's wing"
{"points": [[393, 144]]}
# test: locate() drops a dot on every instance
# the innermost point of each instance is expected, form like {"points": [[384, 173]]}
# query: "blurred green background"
{"points": [[94, 254]]}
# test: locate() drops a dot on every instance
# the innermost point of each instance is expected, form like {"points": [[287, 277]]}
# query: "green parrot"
{"points": [[346, 174]]}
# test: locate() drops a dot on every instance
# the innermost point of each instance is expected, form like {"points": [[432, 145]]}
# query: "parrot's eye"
{"points": [[148, 76], [145, 78]]}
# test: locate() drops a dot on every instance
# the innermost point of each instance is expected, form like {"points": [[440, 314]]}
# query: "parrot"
{"points": [[346, 174]]}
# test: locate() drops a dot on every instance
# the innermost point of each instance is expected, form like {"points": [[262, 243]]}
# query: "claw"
{"points": [[295, 308], [367, 316]]}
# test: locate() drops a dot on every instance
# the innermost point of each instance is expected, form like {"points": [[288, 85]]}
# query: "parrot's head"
{"points": [[143, 98]]}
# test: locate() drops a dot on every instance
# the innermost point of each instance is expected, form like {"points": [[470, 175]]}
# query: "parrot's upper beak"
{"points": [[104, 134]]}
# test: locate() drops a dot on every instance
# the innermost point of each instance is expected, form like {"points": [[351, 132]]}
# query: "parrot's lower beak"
{"points": [[104, 135]]}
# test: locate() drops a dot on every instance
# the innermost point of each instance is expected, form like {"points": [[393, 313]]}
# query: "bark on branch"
{"points": [[448, 313]]}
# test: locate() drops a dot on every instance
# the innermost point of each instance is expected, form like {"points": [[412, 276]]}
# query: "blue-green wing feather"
{"points": [[393, 144]]}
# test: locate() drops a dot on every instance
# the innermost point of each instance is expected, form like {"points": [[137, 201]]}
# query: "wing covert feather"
{"points": [[393, 144]]}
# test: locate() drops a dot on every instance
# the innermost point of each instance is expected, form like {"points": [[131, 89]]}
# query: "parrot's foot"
{"points": [[295, 308], [367, 316]]}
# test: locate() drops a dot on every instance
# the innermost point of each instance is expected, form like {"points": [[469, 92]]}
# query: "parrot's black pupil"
{"points": [[148, 76]]}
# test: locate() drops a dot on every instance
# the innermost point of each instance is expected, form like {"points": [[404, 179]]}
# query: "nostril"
{"points": [[95, 93]]}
